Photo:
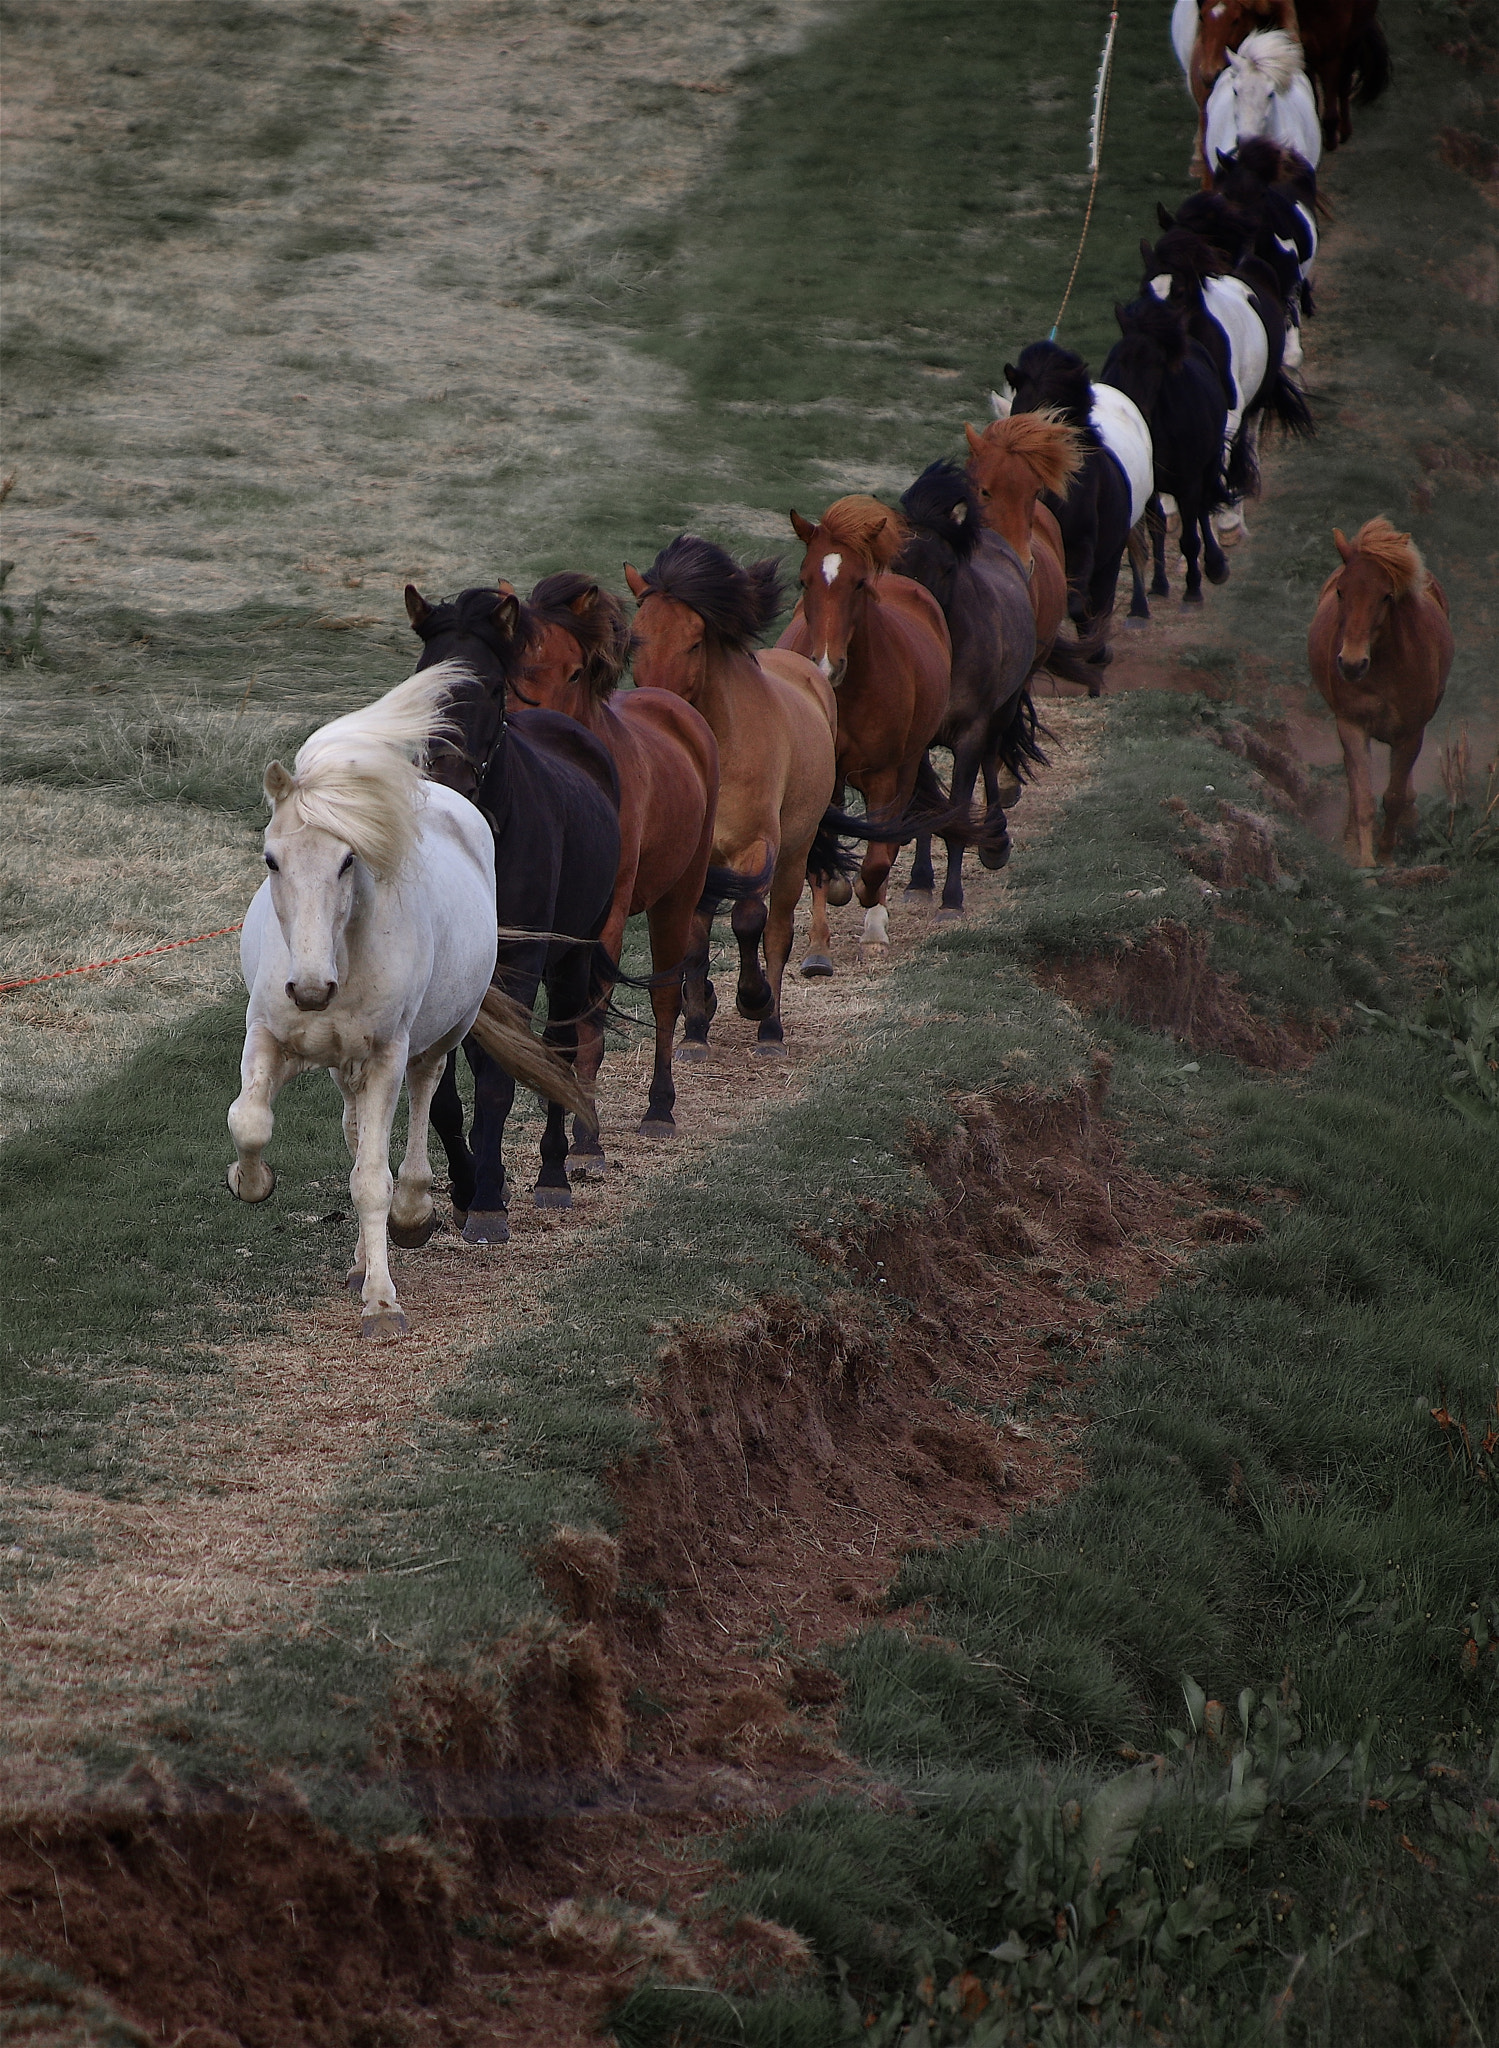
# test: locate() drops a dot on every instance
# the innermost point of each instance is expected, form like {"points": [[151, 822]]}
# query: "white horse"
{"points": [[368, 950], [1263, 91]]}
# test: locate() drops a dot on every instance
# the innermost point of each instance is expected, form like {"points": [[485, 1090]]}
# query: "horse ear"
{"points": [[507, 613], [1011, 375], [278, 783], [507, 588], [803, 529], [639, 588], [1342, 545], [974, 437], [1166, 220], [1235, 61], [417, 607], [1147, 252], [584, 602]]}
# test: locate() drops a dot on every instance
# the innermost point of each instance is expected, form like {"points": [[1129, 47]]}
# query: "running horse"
{"points": [[1380, 648], [1202, 37], [773, 716], [883, 643]]}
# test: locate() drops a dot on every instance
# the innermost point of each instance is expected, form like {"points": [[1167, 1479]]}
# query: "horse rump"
{"points": [[1367, 66]]}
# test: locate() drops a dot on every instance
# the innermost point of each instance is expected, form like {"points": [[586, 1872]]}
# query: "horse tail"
{"points": [[945, 820], [1073, 661], [827, 859], [503, 1030], [727, 885], [1017, 747], [1286, 404], [1369, 63], [1241, 474]]}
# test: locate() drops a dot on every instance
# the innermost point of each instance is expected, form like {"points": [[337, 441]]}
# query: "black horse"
{"points": [[1175, 383], [551, 795], [1276, 192], [1095, 514], [980, 583]]}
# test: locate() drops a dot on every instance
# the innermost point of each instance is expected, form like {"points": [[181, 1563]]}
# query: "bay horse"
{"points": [[1380, 648], [1263, 91], [550, 792], [1347, 56], [882, 642], [368, 950], [1175, 384], [1012, 462], [775, 720], [990, 721], [1108, 495], [667, 761]]}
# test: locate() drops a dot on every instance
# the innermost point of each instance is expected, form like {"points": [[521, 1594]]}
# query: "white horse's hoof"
{"points": [[486, 1226], [383, 1323], [816, 966], [552, 1198], [235, 1181], [411, 1236], [691, 1049]]}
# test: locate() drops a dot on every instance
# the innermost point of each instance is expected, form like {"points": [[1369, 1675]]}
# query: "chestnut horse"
{"points": [[883, 643], [1380, 648], [667, 759], [774, 719]]}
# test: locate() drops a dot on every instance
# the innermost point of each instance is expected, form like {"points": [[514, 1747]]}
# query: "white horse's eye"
{"points": [[272, 864], [346, 863]]}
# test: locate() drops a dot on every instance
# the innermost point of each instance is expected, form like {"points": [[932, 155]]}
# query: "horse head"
{"points": [[1012, 461], [581, 646], [1380, 567], [847, 551], [694, 605], [488, 631]]}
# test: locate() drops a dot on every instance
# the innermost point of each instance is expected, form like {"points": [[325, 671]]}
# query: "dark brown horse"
{"points": [[667, 760], [1011, 463], [774, 718], [1347, 59], [1380, 648], [882, 642]]}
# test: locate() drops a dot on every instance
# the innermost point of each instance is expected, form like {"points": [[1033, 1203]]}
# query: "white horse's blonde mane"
{"points": [[360, 776], [1274, 55]]}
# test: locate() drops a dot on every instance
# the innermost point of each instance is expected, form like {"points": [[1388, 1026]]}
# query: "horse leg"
{"points": [[447, 1121], [1399, 802], [412, 1217], [264, 1071], [488, 1220], [785, 894], [1190, 544], [966, 762], [1214, 561], [371, 1186], [698, 999], [754, 997], [1159, 587], [586, 1156], [1138, 545], [569, 987], [1358, 832], [671, 928], [923, 875], [819, 956]]}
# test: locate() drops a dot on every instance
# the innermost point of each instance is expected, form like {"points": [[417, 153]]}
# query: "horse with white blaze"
{"points": [[367, 950]]}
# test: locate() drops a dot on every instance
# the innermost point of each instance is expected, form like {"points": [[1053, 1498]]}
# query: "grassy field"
{"points": [[1200, 1753]]}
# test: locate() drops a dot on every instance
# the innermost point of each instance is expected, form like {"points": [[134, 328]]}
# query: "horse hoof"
{"points": [[1220, 574], [460, 1217], [383, 1323], [657, 1127], [233, 1180], [411, 1236], [757, 1011], [691, 1049], [1191, 597], [770, 1049], [915, 895], [486, 1226], [995, 857], [1136, 619], [588, 1166], [950, 913], [1007, 795], [816, 966], [552, 1198], [354, 1281], [840, 891]]}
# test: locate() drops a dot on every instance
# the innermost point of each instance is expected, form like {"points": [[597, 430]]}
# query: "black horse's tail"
{"points": [[1017, 747], [1285, 403], [936, 818], [827, 858], [727, 885], [1070, 661], [1369, 64]]}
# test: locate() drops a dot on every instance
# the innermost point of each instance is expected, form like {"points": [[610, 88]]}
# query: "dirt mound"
{"points": [[1164, 981], [1239, 848]]}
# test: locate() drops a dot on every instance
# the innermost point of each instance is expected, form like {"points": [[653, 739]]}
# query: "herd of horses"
{"points": [[485, 830]]}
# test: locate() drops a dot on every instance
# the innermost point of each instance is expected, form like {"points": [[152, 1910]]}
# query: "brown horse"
{"points": [[667, 760], [774, 718], [1380, 648], [1010, 464], [1347, 59], [883, 643]]}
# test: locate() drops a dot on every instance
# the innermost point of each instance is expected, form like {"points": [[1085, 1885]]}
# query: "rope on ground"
{"points": [[92, 967], [1095, 157]]}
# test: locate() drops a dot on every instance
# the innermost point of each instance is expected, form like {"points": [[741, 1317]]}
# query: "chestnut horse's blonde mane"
{"points": [[360, 776], [1395, 553], [1046, 442], [862, 522]]}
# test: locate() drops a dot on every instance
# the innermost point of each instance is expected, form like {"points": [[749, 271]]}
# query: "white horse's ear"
{"points": [[278, 784], [1000, 403], [1235, 61]]}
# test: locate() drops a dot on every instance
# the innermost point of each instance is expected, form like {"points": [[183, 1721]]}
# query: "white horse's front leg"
{"points": [[412, 1217], [264, 1070], [371, 1184], [354, 1278]]}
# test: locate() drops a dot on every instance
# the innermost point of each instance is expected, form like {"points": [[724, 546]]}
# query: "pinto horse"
{"points": [[667, 760], [882, 642], [1109, 493], [1173, 381], [980, 583], [551, 794], [774, 718], [1241, 231], [1380, 648]]}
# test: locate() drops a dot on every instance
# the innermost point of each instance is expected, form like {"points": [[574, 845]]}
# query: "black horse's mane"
{"points": [[1063, 382], [737, 602], [1148, 319], [1182, 252], [944, 502], [1217, 221], [600, 628]]}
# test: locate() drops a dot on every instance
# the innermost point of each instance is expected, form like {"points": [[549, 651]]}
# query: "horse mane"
{"points": [[737, 602], [360, 776], [1218, 221], [1274, 54], [1047, 443], [859, 521], [1181, 249], [1257, 155], [472, 611], [601, 629], [1063, 381], [944, 502], [1151, 319], [1396, 553]]}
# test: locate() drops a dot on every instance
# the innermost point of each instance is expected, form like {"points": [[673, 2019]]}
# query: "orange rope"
{"points": [[61, 973]]}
